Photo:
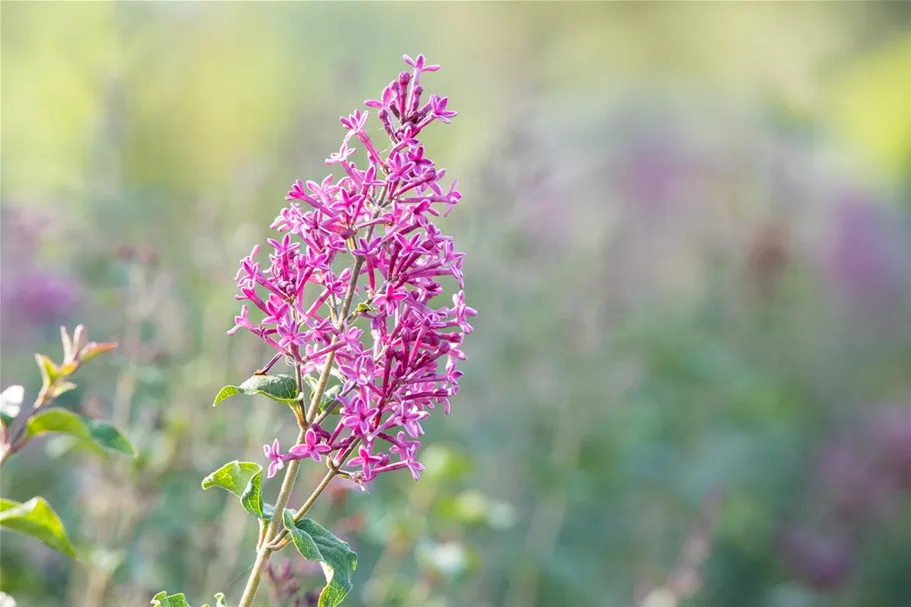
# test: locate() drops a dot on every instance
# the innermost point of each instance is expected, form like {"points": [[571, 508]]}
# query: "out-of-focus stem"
{"points": [[114, 502], [387, 567], [546, 519], [126, 383]]}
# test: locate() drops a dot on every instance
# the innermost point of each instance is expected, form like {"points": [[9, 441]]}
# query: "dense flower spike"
{"points": [[395, 351]]}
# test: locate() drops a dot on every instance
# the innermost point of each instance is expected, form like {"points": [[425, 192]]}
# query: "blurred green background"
{"points": [[687, 230]]}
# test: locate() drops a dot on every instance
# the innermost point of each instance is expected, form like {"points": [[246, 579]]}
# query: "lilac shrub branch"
{"points": [[55, 381], [395, 355]]}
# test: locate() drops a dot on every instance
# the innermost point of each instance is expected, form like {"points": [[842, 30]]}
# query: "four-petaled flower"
{"points": [[273, 453], [312, 447], [367, 461]]}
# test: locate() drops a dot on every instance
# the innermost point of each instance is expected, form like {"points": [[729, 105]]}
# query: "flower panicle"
{"points": [[379, 215]]}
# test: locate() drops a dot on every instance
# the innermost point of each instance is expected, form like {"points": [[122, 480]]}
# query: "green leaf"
{"points": [[281, 388], [175, 600], [97, 432], [179, 600], [92, 349], [49, 371], [107, 436], [329, 397], [56, 420], [243, 479], [37, 519], [329, 394], [365, 308], [219, 600], [67, 369], [316, 543], [62, 387], [67, 341]]}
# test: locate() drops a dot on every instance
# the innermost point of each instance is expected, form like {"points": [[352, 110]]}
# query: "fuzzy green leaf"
{"points": [[316, 543], [179, 600], [49, 371], [311, 381], [97, 432], [329, 394], [281, 388], [61, 387], [329, 397], [219, 600], [175, 600], [67, 341], [243, 479], [105, 435], [92, 349], [365, 308], [37, 519]]}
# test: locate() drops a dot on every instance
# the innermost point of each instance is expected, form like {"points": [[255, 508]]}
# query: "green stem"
{"points": [[16, 442], [265, 551], [262, 556], [280, 540], [346, 306]]}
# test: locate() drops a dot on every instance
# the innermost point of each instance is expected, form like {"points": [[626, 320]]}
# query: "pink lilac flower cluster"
{"points": [[380, 219]]}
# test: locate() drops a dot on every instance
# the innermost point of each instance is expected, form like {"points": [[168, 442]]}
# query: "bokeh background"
{"points": [[687, 230]]}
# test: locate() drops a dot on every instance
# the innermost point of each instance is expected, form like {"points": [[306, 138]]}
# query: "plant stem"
{"points": [[280, 540], [16, 443], [346, 306], [262, 556], [273, 536]]}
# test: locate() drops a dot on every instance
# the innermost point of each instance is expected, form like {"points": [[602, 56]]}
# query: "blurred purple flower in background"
{"points": [[32, 295], [862, 479], [822, 560], [865, 257], [892, 428], [655, 171]]}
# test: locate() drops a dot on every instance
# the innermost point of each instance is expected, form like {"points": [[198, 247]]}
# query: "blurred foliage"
{"points": [[688, 234]]}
